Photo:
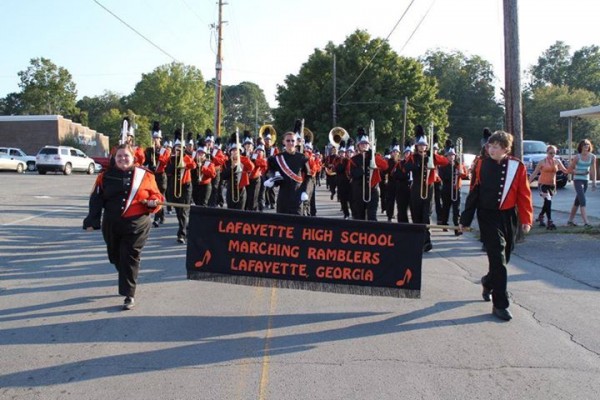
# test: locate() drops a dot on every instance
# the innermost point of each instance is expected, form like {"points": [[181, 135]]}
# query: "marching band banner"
{"points": [[313, 253]]}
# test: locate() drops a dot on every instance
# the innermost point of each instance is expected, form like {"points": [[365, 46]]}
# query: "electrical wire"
{"points": [[136, 31], [377, 51]]}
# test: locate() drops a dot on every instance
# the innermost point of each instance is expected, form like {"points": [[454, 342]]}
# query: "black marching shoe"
{"points": [[486, 292], [129, 303], [181, 240], [427, 248], [502, 313], [155, 224]]}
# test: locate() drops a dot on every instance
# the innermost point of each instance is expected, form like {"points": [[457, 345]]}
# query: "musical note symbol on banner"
{"points": [[406, 279], [205, 260]]}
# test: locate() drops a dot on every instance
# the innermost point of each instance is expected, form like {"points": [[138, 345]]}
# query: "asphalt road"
{"points": [[63, 336]]}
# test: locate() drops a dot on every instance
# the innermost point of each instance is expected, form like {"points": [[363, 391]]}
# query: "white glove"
{"points": [[269, 183], [304, 196]]}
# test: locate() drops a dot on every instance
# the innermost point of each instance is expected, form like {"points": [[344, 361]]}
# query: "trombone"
{"points": [[426, 168], [366, 189], [456, 173], [235, 167], [179, 169]]}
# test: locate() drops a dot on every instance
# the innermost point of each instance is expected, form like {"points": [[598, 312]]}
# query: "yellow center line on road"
{"points": [[264, 375]]}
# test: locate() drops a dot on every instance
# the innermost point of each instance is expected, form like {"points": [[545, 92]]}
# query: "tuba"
{"points": [[338, 135], [271, 130]]}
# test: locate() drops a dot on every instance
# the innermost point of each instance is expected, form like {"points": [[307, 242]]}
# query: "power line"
{"points": [[136, 31], [417, 27], [377, 51]]}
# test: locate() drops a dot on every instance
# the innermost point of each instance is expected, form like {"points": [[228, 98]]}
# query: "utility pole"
{"points": [[218, 69], [334, 92], [512, 77], [512, 72]]}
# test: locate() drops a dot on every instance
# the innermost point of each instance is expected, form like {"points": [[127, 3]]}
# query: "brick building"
{"points": [[32, 132]]}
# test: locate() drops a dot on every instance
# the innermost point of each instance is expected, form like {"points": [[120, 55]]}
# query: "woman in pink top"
{"points": [[547, 169]]}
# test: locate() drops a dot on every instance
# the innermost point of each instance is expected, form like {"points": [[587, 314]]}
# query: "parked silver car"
{"points": [[63, 159], [9, 163]]}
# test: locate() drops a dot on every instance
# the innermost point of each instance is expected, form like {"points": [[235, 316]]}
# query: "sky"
{"points": [[265, 40]]}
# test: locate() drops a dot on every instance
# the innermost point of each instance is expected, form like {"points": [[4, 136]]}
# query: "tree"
{"points": [[467, 82], [245, 106], [174, 94], [584, 70], [12, 104], [97, 106], [378, 94], [47, 89], [542, 114], [552, 67]]}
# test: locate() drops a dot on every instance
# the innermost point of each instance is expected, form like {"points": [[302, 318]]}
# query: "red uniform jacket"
{"points": [[207, 173]]}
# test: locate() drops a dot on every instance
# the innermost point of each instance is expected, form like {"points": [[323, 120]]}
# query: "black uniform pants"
{"points": [[498, 229], [401, 191], [448, 203], [361, 209], [183, 214], [161, 182], [125, 239], [420, 209], [201, 194]]}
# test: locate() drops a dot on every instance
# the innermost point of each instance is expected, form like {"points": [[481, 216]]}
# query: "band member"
{"points": [[140, 157], [236, 175], [392, 160], [452, 176], [218, 158], [290, 171], [202, 175], [315, 169], [423, 164], [401, 178], [127, 195], [256, 177], [344, 188], [270, 151], [179, 184], [157, 158], [365, 177], [500, 185], [330, 162]]}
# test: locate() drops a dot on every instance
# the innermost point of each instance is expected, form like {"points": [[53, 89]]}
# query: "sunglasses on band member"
{"points": [[290, 140]]}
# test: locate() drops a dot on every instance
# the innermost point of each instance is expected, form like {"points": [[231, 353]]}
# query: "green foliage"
{"points": [[467, 83], [542, 120], [11, 104], [47, 89], [174, 94], [245, 107], [552, 66], [378, 94]]}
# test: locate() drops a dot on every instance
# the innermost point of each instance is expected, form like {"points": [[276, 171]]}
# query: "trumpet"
{"points": [[456, 174], [366, 189], [425, 169], [235, 167], [179, 169]]}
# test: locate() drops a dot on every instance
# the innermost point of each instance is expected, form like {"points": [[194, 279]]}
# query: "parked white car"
{"points": [[9, 163], [18, 154], [63, 159]]}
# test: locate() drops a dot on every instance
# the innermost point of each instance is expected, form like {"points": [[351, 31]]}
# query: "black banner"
{"points": [[314, 253]]}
